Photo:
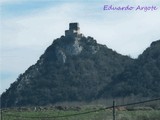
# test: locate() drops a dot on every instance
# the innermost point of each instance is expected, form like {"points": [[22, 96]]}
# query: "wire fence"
{"points": [[112, 109]]}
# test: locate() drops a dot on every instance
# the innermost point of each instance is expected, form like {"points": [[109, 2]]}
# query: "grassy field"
{"points": [[14, 114]]}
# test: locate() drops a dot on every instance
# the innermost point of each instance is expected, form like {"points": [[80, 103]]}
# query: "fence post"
{"points": [[114, 112]]}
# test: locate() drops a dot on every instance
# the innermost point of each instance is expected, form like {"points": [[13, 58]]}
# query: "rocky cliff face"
{"points": [[71, 69]]}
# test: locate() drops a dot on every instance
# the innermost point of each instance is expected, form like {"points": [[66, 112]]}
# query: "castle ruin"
{"points": [[74, 30]]}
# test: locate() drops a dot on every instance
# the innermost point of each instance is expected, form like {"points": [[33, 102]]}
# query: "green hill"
{"points": [[141, 78], [77, 68]]}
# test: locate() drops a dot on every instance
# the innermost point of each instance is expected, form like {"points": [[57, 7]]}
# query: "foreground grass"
{"points": [[139, 115], [99, 115]]}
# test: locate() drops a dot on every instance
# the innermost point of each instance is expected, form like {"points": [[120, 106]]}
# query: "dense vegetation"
{"points": [[80, 69], [80, 78], [141, 78]]}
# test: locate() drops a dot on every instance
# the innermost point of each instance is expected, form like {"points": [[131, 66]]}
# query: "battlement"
{"points": [[73, 31]]}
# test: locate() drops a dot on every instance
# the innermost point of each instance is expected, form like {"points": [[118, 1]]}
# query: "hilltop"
{"points": [[77, 68]]}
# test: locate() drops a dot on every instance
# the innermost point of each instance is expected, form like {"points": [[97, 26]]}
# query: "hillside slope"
{"points": [[142, 78], [73, 68]]}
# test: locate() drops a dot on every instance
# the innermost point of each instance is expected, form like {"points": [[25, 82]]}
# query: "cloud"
{"points": [[136, 31]]}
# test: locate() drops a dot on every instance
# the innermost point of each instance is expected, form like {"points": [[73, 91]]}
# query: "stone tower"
{"points": [[74, 30]]}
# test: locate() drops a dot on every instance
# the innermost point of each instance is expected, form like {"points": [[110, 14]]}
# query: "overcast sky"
{"points": [[28, 27]]}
